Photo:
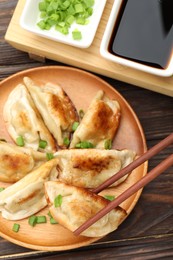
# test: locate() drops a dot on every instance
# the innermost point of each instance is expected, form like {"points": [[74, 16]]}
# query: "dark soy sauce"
{"points": [[144, 32]]}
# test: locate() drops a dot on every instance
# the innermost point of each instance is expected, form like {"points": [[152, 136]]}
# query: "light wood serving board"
{"points": [[88, 59]]}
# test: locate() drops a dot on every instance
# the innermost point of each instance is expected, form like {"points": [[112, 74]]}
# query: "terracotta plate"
{"points": [[81, 87]]}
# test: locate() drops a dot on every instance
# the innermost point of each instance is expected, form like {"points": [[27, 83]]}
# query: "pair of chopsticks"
{"points": [[165, 164]]}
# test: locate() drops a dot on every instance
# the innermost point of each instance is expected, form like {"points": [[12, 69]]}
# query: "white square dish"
{"points": [[31, 16], [106, 51]]}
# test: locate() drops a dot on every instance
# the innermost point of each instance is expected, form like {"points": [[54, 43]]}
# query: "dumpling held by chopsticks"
{"points": [[72, 206], [88, 168]]}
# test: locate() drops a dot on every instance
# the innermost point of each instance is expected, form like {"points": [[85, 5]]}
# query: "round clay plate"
{"points": [[81, 87]]}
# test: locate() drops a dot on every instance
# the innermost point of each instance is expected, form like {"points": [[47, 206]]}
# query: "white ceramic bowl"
{"points": [[30, 17], [104, 48]]}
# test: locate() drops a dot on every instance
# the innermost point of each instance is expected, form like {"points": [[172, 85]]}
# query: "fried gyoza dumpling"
{"points": [[16, 162], [23, 120], [99, 123], [76, 205], [27, 197], [56, 108], [89, 168]]}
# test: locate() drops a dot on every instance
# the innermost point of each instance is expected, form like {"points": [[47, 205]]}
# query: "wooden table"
{"points": [[148, 232]]}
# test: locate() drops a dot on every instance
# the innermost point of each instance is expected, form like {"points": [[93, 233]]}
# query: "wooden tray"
{"points": [[88, 59]]}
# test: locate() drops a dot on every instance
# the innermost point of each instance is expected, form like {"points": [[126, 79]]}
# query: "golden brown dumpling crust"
{"points": [[62, 108], [15, 165], [26, 197], [78, 205], [99, 123], [104, 120], [55, 107], [16, 162], [23, 119], [89, 168]]}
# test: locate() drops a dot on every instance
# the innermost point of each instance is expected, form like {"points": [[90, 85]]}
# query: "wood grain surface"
{"points": [[148, 231]]}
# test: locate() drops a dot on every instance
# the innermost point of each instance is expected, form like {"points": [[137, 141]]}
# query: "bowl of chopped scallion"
{"points": [[72, 22]]}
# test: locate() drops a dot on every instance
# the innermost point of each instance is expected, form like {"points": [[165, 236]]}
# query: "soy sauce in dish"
{"points": [[144, 32]]}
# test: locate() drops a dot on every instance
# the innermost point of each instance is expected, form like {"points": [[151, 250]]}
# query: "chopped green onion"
{"points": [[32, 220], [58, 201], [81, 113], [49, 214], [66, 141], [42, 144], [42, 6], [109, 197], [84, 145], [49, 156], [79, 8], [54, 17], [48, 26], [75, 126], [20, 141], [71, 10], [2, 188], [41, 24], [61, 27], [70, 19], [43, 14], [41, 219], [88, 3], [16, 227], [81, 20], [66, 12], [90, 11], [108, 144], [78, 145], [53, 221], [77, 35], [66, 4]]}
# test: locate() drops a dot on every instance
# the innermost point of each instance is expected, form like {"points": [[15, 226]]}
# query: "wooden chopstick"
{"points": [[146, 156], [165, 164]]}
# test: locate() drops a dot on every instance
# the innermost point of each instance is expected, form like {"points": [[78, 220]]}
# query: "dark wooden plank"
{"points": [[153, 247]]}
